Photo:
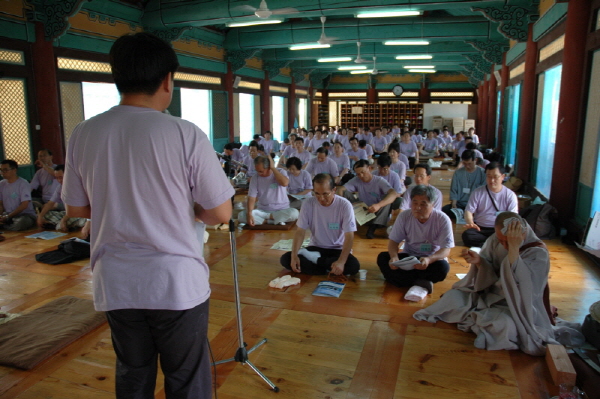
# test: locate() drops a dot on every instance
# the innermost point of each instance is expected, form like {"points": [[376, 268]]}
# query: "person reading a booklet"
{"points": [[330, 219], [427, 235], [464, 181]]}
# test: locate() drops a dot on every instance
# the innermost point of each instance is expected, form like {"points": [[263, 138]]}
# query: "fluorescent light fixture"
{"points": [[406, 43], [365, 71], [351, 68], [335, 59], [309, 46], [414, 57], [251, 23], [418, 67], [385, 14], [422, 71]]}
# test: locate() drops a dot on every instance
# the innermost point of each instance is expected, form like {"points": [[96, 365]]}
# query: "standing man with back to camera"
{"points": [[144, 176]]}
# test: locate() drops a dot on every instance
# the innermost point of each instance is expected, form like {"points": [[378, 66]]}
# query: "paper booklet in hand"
{"points": [[407, 263], [361, 214]]}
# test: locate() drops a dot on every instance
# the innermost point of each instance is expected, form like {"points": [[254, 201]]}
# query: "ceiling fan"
{"points": [[359, 59], [375, 70], [324, 39], [263, 11]]}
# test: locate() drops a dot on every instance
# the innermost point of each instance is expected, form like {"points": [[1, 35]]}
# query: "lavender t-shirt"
{"points": [[12, 194], [430, 145], [406, 201], [249, 162], [423, 239], [141, 171], [299, 183], [393, 179], [400, 168], [304, 156], [45, 181], [342, 162], [379, 143], [327, 166], [56, 196], [327, 224], [408, 149], [370, 193], [271, 195], [316, 143], [482, 207]]}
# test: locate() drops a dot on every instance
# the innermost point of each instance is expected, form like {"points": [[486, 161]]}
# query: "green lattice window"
{"points": [[12, 57], [13, 121]]}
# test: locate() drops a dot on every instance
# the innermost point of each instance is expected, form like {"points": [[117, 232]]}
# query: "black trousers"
{"points": [[411, 162], [323, 266], [474, 238], [435, 272], [177, 338]]}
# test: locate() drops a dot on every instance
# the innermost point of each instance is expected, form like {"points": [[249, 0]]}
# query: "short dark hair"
{"points": [[361, 163], [326, 144], [471, 146], [394, 145], [423, 166], [468, 155], [323, 150], [362, 143], [384, 160], [300, 139], [12, 164], [253, 144], [489, 166], [228, 146], [294, 161], [47, 151], [324, 177], [354, 139], [60, 167], [140, 62]]}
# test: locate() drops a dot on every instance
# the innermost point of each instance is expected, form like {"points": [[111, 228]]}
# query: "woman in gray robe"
{"points": [[501, 298]]}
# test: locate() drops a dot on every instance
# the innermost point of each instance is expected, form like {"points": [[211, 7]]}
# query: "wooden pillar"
{"points": [[525, 132], [424, 94], [229, 89], [565, 171], [503, 84], [292, 107], [483, 106], [46, 93], [372, 95], [490, 134], [265, 104]]}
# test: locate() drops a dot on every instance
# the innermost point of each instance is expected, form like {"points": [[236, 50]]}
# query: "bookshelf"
{"points": [[320, 114], [382, 114]]}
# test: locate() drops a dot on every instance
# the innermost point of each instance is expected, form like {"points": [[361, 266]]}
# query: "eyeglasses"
{"points": [[5, 169], [326, 195]]}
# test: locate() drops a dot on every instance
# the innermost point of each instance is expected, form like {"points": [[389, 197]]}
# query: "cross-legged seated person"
{"points": [[53, 213], [15, 199], [300, 182], [374, 191], [422, 172], [485, 203], [383, 170], [322, 164], [330, 219], [268, 187], [427, 235], [44, 177], [464, 181]]}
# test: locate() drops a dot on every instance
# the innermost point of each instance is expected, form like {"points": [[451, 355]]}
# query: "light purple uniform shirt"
{"points": [[289, 150], [327, 224], [327, 166], [369, 150], [370, 193], [423, 239], [268, 145], [360, 153], [400, 168], [406, 201], [44, 180], [249, 162], [304, 157], [481, 206], [379, 143], [141, 171], [430, 145], [416, 138], [343, 162], [316, 143], [271, 196], [56, 196], [12, 194], [408, 149], [393, 179], [299, 183]]}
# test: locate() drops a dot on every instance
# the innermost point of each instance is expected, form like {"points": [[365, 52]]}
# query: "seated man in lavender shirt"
{"points": [[322, 164], [287, 152], [330, 219], [485, 203], [374, 191], [268, 188], [427, 234], [409, 148], [301, 153], [249, 159], [341, 160], [355, 153], [430, 145], [44, 177], [379, 142], [300, 182], [422, 174], [383, 170], [15, 199]]}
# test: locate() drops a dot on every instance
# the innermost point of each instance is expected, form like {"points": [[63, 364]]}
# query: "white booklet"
{"points": [[361, 214], [407, 263]]}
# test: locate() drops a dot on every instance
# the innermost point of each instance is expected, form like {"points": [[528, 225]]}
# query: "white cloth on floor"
{"points": [[284, 281], [415, 293]]}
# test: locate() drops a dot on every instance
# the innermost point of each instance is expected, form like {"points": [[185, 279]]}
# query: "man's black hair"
{"points": [[323, 150], [60, 167], [294, 161], [468, 155], [394, 145], [300, 139], [423, 166], [11, 164], [140, 62], [471, 146], [384, 160], [489, 166], [361, 163], [228, 146]]}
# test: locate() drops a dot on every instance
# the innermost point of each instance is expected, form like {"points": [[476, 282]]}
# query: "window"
{"points": [[195, 107], [302, 114], [498, 108], [512, 123], [547, 128], [14, 124], [246, 115], [98, 97], [277, 115]]}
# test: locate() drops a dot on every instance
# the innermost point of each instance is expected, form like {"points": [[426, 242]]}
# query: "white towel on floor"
{"points": [[415, 293]]}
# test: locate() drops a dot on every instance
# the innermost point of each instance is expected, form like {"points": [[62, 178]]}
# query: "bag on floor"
{"points": [[542, 219], [67, 252]]}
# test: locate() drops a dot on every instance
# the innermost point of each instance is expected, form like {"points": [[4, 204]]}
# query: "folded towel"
{"points": [[415, 293]]}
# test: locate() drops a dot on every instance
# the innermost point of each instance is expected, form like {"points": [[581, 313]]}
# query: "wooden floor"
{"points": [[364, 344]]}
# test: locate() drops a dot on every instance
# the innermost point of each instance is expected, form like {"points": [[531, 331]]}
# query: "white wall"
{"points": [[445, 110]]}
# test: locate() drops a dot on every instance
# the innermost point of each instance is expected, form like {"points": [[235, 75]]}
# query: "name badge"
{"points": [[427, 247], [334, 226], [466, 190], [273, 185]]}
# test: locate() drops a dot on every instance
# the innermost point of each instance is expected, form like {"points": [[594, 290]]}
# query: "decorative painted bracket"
{"points": [[513, 20], [238, 58], [491, 51], [480, 63], [474, 74], [169, 35], [318, 77], [299, 74], [273, 68], [53, 14]]}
